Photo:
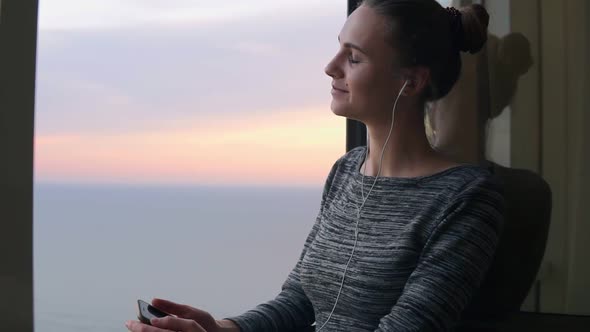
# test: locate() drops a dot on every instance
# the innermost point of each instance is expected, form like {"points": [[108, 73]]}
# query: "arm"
{"points": [[291, 309], [453, 262]]}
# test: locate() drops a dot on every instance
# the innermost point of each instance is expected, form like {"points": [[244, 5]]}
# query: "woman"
{"points": [[404, 236]]}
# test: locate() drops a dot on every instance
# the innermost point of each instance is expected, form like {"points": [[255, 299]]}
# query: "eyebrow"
{"points": [[351, 45]]}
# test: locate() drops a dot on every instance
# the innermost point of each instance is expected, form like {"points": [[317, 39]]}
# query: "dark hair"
{"points": [[426, 34]]}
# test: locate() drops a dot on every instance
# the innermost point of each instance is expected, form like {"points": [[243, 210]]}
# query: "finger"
{"points": [[177, 324], [180, 310], [171, 307], [135, 326], [164, 304]]}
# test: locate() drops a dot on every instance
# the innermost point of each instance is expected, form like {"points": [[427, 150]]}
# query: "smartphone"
{"points": [[147, 312]]}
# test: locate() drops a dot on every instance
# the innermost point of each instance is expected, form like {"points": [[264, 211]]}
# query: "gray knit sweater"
{"points": [[424, 245]]}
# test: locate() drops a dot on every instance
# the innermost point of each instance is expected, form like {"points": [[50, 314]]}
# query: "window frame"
{"points": [[356, 132], [18, 37]]}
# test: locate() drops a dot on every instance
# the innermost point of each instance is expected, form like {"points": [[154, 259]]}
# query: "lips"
{"points": [[338, 89]]}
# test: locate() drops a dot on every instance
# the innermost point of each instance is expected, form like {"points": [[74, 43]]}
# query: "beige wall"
{"points": [[498, 135], [549, 135], [578, 293], [525, 115]]}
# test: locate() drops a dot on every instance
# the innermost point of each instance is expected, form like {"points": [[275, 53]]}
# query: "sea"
{"points": [[100, 248]]}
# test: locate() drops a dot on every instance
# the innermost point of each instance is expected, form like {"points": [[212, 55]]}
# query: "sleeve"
{"points": [[453, 262], [291, 309]]}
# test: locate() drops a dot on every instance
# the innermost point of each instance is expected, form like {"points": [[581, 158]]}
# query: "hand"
{"points": [[203, 319], [166, 324]]}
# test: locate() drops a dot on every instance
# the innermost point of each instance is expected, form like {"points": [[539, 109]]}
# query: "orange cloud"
{"points": [[280, 147]]}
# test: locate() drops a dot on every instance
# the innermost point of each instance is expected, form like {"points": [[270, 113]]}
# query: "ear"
{"points": [[418, 79]]}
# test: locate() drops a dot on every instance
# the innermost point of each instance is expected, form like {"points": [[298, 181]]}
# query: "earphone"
{"points": [[364, 198]]}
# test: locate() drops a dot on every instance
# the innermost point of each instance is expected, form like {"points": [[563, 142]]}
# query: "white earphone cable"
{"points": [[364, 199]]}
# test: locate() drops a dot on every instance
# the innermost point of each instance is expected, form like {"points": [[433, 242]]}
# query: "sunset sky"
{"points": [[187, 92]]}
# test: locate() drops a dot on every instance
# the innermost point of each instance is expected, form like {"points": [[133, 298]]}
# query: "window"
{"points": [[181, 148]]}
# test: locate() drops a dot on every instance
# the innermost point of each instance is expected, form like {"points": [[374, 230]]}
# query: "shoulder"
{"points": [[353, 156], [347, 163], [460, 182], [478, 183], [480, 199], [474, 207], [342, 170], [352, 159], [473, 190]]}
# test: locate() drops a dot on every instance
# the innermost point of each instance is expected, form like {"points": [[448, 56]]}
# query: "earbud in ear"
{"points": [[410, 81], [401, 91]]}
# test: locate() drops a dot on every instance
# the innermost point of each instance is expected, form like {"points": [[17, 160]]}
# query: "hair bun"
{"points": [[474, 22]]}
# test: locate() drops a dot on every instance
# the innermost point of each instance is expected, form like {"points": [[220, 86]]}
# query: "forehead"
{"points": [[367, 29]]}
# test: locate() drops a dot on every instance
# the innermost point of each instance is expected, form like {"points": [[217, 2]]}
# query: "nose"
{"points": [[332, 69]]}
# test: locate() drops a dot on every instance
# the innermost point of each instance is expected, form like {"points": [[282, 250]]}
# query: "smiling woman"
{"points": [[145, 110], [157, 123]]}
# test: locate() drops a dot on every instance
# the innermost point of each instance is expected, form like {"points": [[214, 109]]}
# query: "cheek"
{"points": [[366, 86], [360, 80]]}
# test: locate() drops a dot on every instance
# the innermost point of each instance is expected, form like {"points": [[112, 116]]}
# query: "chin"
{"points": [[344, 111], [340, 109]]}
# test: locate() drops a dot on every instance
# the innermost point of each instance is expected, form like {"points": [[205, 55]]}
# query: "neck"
{"points": [[408, 152], [460, 134]]}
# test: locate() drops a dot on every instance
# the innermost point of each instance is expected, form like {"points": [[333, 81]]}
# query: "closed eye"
{"points": [[352, 60]]}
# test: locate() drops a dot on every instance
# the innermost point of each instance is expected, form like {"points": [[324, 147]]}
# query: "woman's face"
{"points": [[364, 85]]}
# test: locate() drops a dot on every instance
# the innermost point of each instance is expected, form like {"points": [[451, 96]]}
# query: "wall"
{"points": [[549, 136]]}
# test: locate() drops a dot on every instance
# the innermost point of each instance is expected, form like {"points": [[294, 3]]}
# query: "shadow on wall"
{"points": [[458, 127]]}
